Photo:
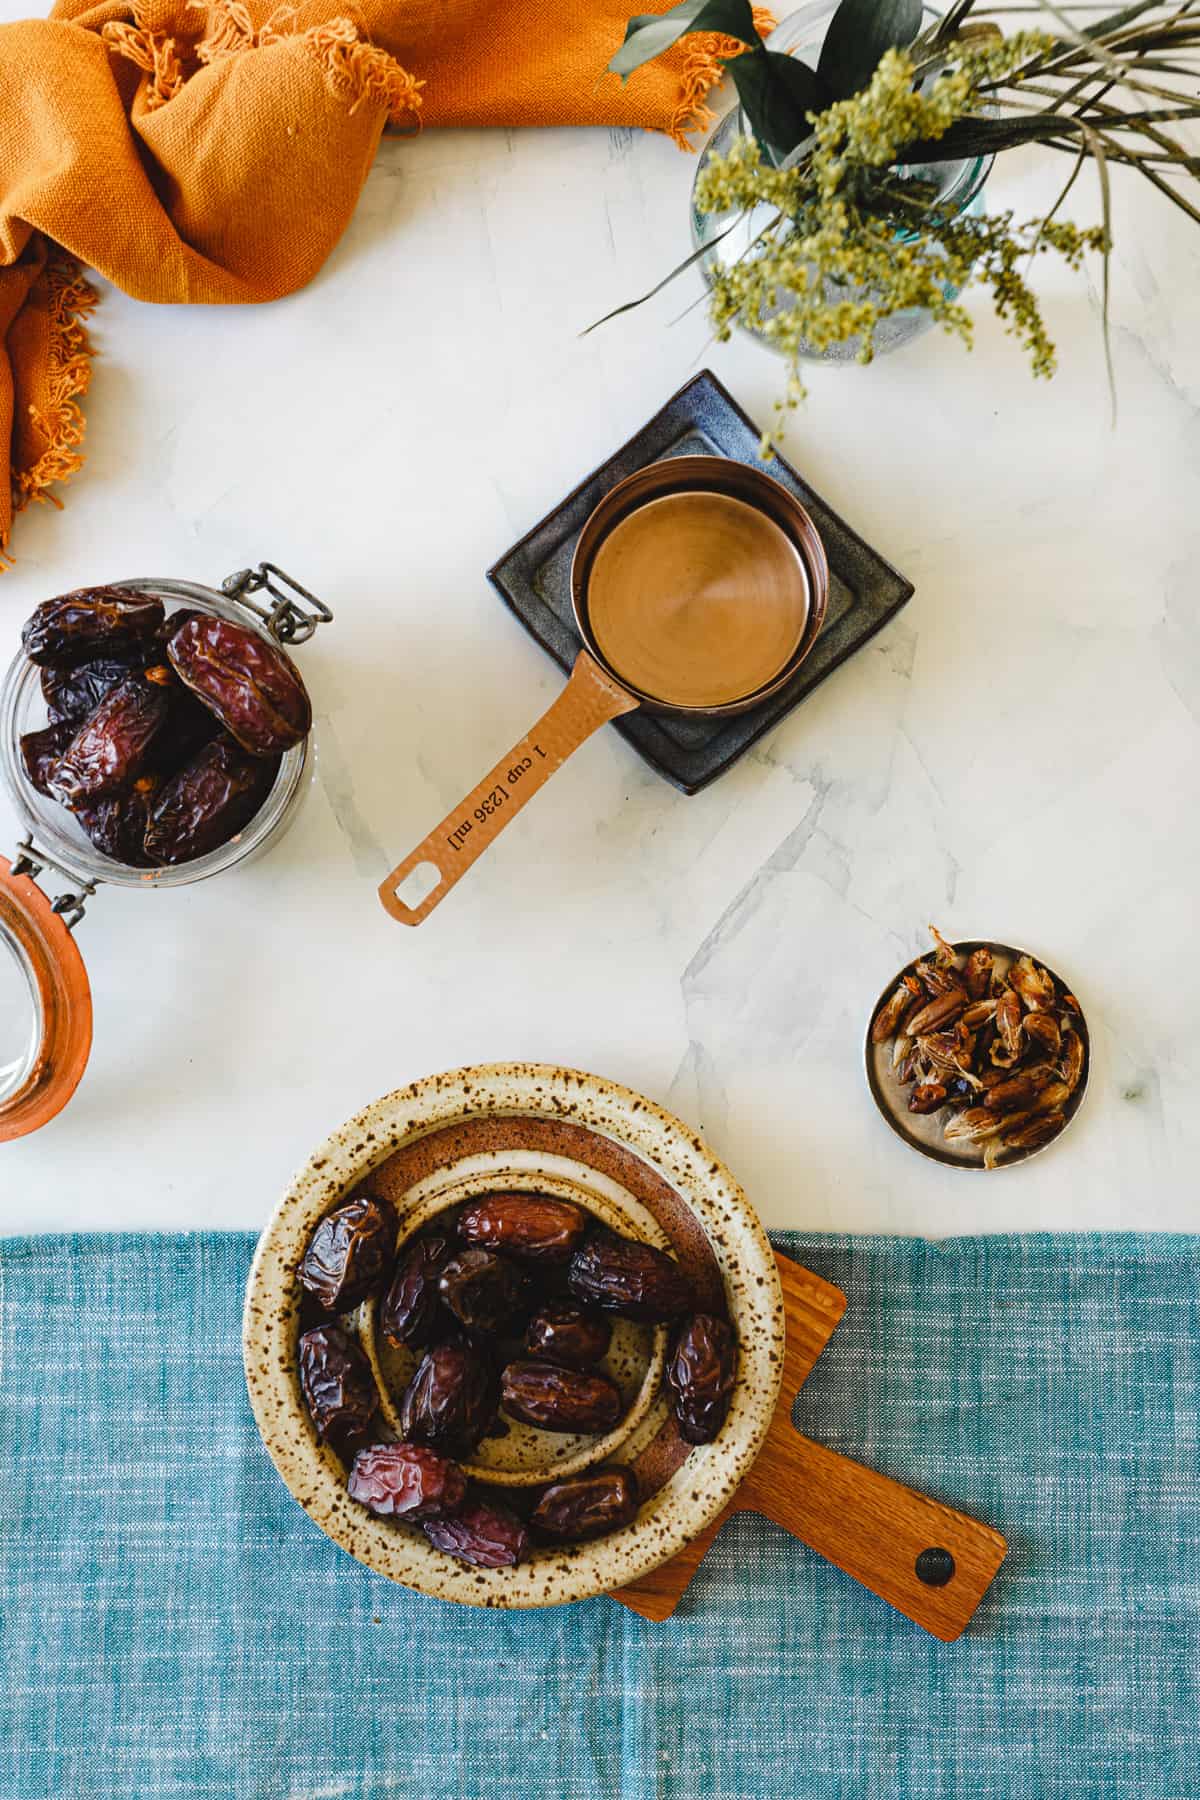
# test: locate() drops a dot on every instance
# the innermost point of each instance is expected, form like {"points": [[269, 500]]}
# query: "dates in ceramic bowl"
{"points": [[91, 622], [451, 1401], [454, 1305], [113, 745], [406, 1481], [562, 1331], [482, 1533], [337, 1383], [350, 1252], [485, 1292], [207, 802], [700, 1375], [588, 1505], [249, 685], [632, 1279], [410, 1309], [532, 1226], [557, 1399]]}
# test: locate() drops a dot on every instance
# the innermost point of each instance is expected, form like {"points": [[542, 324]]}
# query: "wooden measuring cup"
{"points": [[596, 692]]}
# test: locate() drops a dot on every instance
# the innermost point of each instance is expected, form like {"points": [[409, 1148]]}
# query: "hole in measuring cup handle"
{"points": [[421, 881]]}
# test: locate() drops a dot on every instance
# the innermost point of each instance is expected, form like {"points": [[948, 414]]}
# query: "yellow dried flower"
{"points": [[853, 242]]}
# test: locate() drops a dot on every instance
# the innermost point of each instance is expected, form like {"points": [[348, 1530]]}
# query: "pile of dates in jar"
{"points": [[507, 1302], [165, 732]]}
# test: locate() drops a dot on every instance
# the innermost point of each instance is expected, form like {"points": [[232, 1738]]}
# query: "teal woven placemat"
{"points": [[173, 1625]]}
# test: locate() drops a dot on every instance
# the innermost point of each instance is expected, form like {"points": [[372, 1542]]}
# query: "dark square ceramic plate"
{"points": [[702, 419]]}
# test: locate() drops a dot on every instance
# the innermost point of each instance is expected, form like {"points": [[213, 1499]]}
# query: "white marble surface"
{"points": [[1016, 755]]}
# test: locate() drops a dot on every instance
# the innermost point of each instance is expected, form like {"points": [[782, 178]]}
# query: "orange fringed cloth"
{"points": [[202, 151]]}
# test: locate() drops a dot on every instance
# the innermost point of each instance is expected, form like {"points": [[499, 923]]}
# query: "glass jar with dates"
{"points": [[153, 733]]}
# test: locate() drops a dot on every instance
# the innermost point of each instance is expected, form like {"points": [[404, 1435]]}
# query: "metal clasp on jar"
{"points": [[30, 860], [289, 620]]}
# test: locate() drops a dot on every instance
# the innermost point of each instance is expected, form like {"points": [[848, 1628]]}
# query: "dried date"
{"points": [[337, 1383], [113, 745], [170, 625], [482, 1533], [71, 694], [629, 1278], [209, 800], [406, 1481], [91, 622], [556, 1399], [451, 1401], [251, 686], [562, 1331], [484, 1291], [700, 1375], [588, 1505], [526, 1225], [409, 1314], [349, 1252], [40, 753], [117, 826], [188, 725]]}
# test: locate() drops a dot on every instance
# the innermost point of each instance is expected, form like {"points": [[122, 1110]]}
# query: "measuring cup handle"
{"points": [[590, 698]]}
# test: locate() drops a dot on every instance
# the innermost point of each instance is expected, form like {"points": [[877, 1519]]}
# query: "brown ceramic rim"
{"points": [[706, 474], [62, 996], [703, 1484], [888, 1095]]}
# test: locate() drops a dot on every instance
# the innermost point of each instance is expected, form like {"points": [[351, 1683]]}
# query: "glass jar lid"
{"points": [[45, 1005]]}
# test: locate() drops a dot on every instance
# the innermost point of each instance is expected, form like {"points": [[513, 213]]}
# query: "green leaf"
{"points": [[777, 92], [974, 136], [649, 34], [1114, 21], [859, 33], [951, 21], [658, 287]]}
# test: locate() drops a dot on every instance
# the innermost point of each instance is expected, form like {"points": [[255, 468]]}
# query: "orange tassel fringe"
{"points": [[70, 300], [359, 73], [702, 71]]}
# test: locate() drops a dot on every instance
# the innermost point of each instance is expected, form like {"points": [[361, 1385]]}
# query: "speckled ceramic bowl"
{"points": [[632, 1165]]}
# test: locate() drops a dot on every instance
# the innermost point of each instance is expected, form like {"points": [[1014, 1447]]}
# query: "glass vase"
{"points": [[958, 191]]}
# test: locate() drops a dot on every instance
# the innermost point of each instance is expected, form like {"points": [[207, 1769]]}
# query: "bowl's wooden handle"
{"points": [[933, 1564], [590, 698]]}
